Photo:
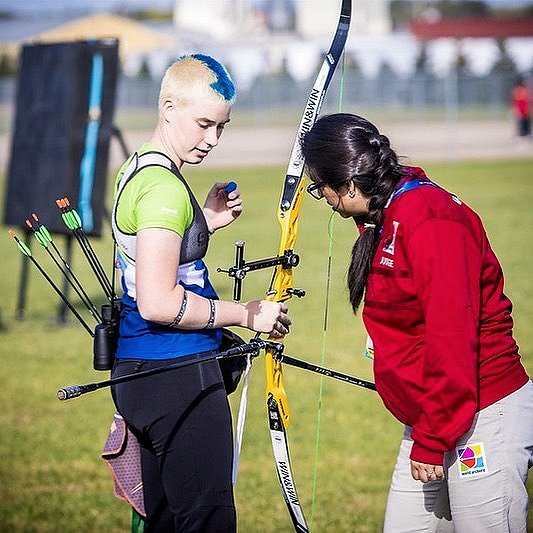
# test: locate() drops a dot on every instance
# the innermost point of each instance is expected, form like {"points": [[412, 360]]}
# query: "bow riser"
{"points": [[280, 292]]}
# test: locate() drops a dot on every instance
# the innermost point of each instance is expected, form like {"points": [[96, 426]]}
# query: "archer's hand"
{"points": [[267, 317], [221, 209], [425, 472]]}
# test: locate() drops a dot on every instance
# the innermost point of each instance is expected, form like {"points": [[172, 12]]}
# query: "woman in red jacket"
{"points": [[521, 103], [445, 360]]}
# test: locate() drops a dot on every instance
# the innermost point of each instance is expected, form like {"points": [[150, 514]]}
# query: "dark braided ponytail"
{"points": [[341, 148]]}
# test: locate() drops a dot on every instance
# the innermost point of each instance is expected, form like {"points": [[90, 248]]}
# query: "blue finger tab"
{"points": [[230, 187]]}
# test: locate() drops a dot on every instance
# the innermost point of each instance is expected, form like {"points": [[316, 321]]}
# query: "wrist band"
{"points": [[181, 312], [212, 312]]}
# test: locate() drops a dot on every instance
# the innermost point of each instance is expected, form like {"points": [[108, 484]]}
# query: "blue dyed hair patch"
{"points": [[223, 84]]}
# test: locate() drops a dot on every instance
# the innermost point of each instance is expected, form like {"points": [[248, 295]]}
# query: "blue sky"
{"points": [[65, 6]]}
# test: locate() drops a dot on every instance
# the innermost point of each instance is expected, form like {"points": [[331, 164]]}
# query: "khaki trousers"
{"points": [[484, 486]]}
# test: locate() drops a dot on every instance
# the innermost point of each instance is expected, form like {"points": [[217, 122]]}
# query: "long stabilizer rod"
{"points": [[73, 391], [334, 374], [253, 347]]}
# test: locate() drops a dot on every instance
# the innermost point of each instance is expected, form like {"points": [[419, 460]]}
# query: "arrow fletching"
{"points": [[43, 230], [22, 247]]}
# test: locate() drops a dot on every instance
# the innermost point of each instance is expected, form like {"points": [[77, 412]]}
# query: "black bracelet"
{"points": [[181, 312], [212, 313]]}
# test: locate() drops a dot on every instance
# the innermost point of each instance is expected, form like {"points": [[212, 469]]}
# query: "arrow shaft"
{"points": [[61, 295]]}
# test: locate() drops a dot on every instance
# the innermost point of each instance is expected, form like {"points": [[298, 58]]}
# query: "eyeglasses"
{"points": [[315, 190]]}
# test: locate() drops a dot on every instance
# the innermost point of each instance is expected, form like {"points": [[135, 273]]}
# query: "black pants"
{"points": [[183, 423], [524, 126]]}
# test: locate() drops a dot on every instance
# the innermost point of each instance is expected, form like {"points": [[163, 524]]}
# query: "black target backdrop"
{"points": [[57, 85]]}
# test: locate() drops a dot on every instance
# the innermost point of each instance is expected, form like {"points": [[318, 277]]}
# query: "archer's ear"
{"points": [[350, 189], [356, 190], [167, 109]]}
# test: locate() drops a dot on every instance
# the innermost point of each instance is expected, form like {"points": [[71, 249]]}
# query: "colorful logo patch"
{"points": [[472, 460]]}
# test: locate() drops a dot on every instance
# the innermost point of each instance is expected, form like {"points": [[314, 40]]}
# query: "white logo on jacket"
{"points": [[389, 249], [387, 261]]}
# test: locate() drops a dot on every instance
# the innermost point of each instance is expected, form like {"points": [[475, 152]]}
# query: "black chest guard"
{"points": [[195, 238]]}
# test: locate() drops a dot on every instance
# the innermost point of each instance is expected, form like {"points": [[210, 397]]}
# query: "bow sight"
{"points": [[240, 269]]}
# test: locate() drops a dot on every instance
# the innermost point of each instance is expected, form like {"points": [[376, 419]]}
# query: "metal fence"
{"points": [[421, 95]]}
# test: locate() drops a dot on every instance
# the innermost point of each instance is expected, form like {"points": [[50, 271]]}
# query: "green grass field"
{"points": [[51, 476]]}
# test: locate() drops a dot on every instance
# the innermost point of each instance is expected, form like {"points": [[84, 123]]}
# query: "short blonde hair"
{"points": [[196, 76]]}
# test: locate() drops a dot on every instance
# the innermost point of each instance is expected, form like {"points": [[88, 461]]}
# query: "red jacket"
{"points": [[439, 320], [521, 101]]}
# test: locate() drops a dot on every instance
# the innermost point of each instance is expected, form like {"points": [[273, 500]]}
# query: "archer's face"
{"points": [[347, 202], [193, 130]]}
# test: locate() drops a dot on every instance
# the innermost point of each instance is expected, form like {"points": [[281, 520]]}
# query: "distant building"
{"points": [[261, 38], [462, 28], [138, 43], [479, 40], [254, 41], [218, 19], [316, 18]]}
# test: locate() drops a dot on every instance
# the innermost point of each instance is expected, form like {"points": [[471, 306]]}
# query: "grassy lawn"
{"points": [[51, 476]]}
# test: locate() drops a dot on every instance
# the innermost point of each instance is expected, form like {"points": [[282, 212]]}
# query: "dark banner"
{"points": [[63, 124]]}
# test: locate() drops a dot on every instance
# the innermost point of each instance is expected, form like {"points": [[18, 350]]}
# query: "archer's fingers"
{"points": [[439, 472], [235, 204]]}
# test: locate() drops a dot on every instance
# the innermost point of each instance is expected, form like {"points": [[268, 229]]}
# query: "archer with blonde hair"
{"points": [[170, 310], [195, 77]]}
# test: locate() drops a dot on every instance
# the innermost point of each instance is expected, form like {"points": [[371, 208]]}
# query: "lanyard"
{"points": [[408, 186]]}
